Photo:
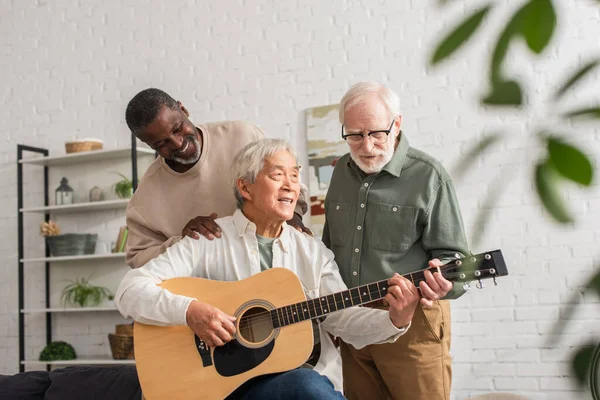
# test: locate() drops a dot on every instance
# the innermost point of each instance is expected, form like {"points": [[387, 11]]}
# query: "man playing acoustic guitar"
{"points": [[256, 238]]}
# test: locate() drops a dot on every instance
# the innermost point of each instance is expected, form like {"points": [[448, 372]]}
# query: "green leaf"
{"points": [[547, 181], [474, 152], [504, 93], [501, 47], [535, 21], [576, 77], [582, 362], [537, 26], [458, 36], [589, 113], [570, 162], [594, 282]]}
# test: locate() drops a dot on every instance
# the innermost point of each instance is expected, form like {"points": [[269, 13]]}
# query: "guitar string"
{"points": [[264, 318], [266, 315]]}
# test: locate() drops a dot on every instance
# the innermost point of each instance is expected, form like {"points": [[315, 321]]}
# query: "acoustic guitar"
{"points": [[274, 332]]}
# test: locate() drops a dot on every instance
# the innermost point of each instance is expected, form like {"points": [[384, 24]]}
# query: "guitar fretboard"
{"points": [[322, 306]]}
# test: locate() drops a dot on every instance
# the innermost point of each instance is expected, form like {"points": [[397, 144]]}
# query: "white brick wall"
{"points": [[69, 68]]}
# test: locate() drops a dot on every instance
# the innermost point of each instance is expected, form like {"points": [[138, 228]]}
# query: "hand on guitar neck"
{"points": [[403, 295], [211, 325]]}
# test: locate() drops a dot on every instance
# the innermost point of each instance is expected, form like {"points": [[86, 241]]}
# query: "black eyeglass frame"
{"points": [[387, 132]]}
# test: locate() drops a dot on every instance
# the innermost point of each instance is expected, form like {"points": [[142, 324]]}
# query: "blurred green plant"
{"points": [[81, 292], [534, 21], [58, 350]]}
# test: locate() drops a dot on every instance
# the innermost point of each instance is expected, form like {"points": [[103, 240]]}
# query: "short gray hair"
{"points": [[250, 160], [360, 90]]}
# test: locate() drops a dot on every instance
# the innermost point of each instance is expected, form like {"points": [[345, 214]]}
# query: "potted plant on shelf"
{"points": [[81, 292], [124, 188], [59, 350]]}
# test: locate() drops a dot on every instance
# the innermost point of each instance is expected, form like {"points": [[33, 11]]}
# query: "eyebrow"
{"points": [[274, 167]]}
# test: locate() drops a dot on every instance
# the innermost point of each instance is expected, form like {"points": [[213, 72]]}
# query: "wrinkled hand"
{"points": [[403, 298], [297, 223], [435, 285], [211, 325], [205, 226]]}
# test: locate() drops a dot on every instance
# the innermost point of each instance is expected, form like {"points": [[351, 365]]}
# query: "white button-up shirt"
{"points": [[234, 257]]}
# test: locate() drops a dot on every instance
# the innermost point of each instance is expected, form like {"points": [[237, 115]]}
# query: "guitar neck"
{"points": [[322, 306]]}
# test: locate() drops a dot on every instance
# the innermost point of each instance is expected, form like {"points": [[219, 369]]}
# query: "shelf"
{"points": [[87, 156], [79, 207], [67, 310], [74, 258], [83, 361]]}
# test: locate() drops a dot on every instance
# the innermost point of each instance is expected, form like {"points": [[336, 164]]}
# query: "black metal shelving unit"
{"points": [[21, 149]]}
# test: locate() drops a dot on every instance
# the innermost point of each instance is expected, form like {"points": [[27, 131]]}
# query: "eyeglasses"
{"points": [[377, 137]]}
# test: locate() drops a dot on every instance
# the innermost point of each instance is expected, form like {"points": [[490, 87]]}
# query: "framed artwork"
{"points": [[325, 147]]}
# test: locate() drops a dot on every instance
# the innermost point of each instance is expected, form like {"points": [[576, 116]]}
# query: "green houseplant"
{"points": [[81, 292], [58, 351], [124, 188]]}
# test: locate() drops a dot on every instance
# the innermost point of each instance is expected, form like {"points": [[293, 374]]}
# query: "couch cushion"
{"points": [[30, 385], [98, 383]]}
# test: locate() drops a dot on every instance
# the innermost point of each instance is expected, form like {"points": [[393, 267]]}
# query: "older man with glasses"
{"points": [[392, 209]]}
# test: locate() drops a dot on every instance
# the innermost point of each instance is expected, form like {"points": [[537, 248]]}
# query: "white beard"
{"points": [[373, 168], [195, 157]]}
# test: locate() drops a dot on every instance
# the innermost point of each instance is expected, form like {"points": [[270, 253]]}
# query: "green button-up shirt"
{"points": [[393, 221]]}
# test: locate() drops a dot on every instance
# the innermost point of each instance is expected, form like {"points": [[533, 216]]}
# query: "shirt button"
{"points": [[362, 205], [355, 273], [356, 250], [366, 185], [395, 209], [359, 227], [337, 207]]}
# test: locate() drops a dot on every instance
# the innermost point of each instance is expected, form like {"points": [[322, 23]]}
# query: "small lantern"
{"points": [[64, 193]]}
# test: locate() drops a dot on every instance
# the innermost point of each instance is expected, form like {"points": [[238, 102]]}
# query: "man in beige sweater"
{"points": [[188, 185]]}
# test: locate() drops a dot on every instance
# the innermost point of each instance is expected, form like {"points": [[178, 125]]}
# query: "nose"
{"points": [[367, 144], [176, 141]]}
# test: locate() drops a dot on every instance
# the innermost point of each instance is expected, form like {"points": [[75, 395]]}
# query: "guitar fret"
{"points": [[347, 298], [318, 307], [364, 291], [355, 296], [332, 308], [338, 305], [304, 306], [373, 291], [280, 317], [287, 315], [275, 319], [296, 315]]}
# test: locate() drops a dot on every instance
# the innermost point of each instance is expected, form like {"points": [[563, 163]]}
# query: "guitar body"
{"points": [[172, 363]]}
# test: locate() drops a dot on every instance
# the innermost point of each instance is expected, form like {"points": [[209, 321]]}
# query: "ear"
{"points": [[185, 111], [398, 121], [243, 188]]}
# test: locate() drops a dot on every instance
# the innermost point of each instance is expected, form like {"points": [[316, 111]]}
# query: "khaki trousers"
{"points": [[416, 367]]}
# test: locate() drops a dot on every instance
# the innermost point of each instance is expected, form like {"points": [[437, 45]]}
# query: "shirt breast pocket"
{"points": [[393, 228], [338, 221]]}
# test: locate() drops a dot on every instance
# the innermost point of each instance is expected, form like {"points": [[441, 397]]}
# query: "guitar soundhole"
{"points": [[255, 326]]}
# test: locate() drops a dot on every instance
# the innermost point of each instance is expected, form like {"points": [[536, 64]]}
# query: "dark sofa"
{"points": [[97, 383]]}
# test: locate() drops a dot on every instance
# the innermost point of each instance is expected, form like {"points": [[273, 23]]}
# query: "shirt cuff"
{"points": [[391, 329], [181, 310]]}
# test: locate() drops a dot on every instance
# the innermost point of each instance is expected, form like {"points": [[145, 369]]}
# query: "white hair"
{"points": [[250, 160], [360, 90]]}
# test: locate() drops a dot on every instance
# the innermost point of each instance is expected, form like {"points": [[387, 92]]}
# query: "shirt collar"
{"points": [[394, 166], [243, 225]]}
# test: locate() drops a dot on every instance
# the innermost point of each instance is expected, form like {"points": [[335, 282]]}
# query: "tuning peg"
{"points": [[494, 278], [479, 284], [466, 286], [457, 256]]}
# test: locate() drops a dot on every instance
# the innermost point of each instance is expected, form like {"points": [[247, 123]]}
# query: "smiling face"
{"points": [[272, 198], [173, 136], [367, 116]]}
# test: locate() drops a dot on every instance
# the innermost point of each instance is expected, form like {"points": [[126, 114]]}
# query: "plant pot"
{"points": [[121, 346], [72, 244]]}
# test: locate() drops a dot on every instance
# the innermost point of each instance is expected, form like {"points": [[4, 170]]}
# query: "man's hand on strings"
{"points": [[435, 286]]}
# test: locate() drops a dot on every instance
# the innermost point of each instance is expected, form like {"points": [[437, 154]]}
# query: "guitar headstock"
{"points": [[477, 267]]}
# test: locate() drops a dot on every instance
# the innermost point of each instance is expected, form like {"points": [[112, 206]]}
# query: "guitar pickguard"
{"points": [[233, 358]]}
